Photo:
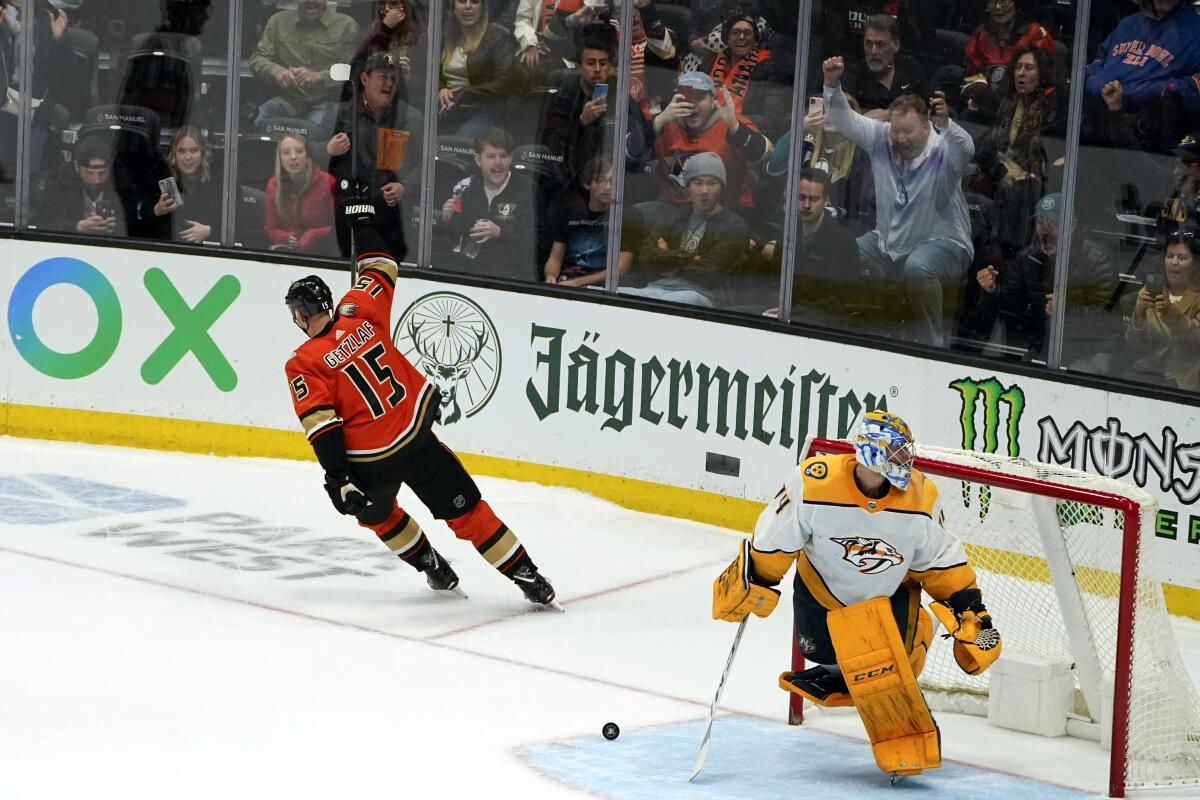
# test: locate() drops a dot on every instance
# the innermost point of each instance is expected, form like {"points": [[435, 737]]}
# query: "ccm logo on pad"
{"points": [[874, 673]]}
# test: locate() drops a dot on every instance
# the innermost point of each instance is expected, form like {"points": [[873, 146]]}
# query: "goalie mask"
{"points": [[310, 296], [884, 444]]}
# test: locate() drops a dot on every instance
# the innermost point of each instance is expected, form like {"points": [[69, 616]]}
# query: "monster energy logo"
{"points": [[990, 394]]}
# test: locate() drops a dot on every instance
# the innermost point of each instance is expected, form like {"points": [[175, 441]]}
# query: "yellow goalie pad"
{"points": [[884, 688], [735, 594]]}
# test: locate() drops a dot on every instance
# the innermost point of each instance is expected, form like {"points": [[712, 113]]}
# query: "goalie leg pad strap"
{"points": [[881, 681], [735, 594], [817, 685]]}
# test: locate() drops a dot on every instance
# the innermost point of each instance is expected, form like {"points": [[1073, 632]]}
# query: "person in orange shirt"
{"points": [[700, 120], [368, 414]]}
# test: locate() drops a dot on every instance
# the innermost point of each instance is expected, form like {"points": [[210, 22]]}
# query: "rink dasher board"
{"points": [[657, 411]]}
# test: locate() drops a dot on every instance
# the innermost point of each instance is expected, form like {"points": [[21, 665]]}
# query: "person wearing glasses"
{"points": [[1164, 328], [923, 228], [742, 66]]}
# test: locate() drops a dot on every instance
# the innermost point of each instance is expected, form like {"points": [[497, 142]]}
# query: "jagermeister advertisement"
{"points": [[547, 380]]}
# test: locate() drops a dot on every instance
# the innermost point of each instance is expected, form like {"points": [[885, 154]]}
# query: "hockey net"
{"points": [[1065, 561]]}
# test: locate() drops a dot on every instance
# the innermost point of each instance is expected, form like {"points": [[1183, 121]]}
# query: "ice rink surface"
{"points": [[196, 627]]}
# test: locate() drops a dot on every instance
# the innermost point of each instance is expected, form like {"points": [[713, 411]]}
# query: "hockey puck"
{"points": [[610, 731]]}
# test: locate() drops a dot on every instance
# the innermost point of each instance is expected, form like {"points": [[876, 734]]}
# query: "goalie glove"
{"points": [[976, 643], [346, 496], [356, 202], [735, 594]]}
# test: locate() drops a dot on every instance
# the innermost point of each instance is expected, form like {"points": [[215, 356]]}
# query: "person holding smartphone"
{"points": [[1164, 328], [190, 196], [81, 198], [574, 118]]}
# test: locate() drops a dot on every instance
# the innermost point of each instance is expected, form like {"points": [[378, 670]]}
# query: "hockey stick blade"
{"points": [[712, 709]]}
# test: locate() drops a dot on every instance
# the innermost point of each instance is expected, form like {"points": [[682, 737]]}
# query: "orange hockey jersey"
{"points": [[352, 376]]}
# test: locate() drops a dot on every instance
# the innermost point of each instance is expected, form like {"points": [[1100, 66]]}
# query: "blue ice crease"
{"points": [[752, 758], [43, 499]]}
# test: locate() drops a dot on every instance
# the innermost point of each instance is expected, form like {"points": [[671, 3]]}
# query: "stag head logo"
{"points": [[454, 343]]}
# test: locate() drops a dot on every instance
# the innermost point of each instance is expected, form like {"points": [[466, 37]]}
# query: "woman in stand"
{"points": [[299, 201], [1017, 156], [1164, 328], [478, 72], [190, 164], [398, 30]]}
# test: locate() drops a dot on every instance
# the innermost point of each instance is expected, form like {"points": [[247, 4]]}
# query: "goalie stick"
{"points": [[712, 709]]}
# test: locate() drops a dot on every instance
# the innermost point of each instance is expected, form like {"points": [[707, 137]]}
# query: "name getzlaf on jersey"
{"points": [[848, 547], [352, 375]]}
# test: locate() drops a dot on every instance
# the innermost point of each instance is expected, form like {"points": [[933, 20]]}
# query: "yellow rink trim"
{"points": [[216, 438]]}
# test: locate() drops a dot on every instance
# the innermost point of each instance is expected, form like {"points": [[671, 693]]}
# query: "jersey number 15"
{"points": [[384, 378]]}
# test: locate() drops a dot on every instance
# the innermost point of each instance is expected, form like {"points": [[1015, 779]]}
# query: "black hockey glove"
{"points": [[346, 496], [356, 202]]}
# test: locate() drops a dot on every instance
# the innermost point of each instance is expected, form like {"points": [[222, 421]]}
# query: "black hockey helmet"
{"points": [[310, 296]]}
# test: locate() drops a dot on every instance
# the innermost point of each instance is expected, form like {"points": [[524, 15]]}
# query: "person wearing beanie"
{"points": [[692, 252], [702, 118], [1020, 295]]}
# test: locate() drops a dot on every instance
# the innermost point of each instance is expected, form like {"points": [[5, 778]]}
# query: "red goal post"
{"points": [[1052, 585]]}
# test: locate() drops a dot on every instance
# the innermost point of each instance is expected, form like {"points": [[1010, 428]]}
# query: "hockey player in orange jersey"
{"points": [[866, 537], [368, 414]]}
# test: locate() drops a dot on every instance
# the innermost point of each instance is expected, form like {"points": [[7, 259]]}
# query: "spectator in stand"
{"points": [[478, 72], [826, 276], [81, 198], [1016, 156], [579, 232], [294, 54], [923, 227], [190, 164], [534, 39], [883, 75], [1164, 328], [50, 51], [693, 252], [995, 43], [655, 59], [851, 193], [697, 121], [299, 201], [1155, 54], [1021, 295], [398, 31], [487, 224], [844, 24], [387, 154], [1182, 208], [741, 67], [575, 117]]}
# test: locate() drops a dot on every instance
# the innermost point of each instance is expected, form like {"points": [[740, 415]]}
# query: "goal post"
{"points": [[1065, 562]]}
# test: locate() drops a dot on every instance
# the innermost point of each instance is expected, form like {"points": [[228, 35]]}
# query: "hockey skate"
{"points": [[438, 573], [534, 586]]}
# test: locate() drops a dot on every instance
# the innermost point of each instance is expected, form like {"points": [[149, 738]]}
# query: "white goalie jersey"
{"points": [[848, 547]]}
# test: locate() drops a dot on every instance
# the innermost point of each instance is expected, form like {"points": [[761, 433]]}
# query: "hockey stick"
{"points": [[342, 73], [712, 709]]}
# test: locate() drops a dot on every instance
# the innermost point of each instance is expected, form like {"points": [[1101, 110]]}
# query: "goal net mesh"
{"points": [[1006, 546]]}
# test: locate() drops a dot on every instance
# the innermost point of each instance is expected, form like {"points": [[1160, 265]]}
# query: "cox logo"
{"points": [[189, 333]]}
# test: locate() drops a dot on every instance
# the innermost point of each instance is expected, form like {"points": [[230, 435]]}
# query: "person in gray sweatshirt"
{"points": [[923, 229]]}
